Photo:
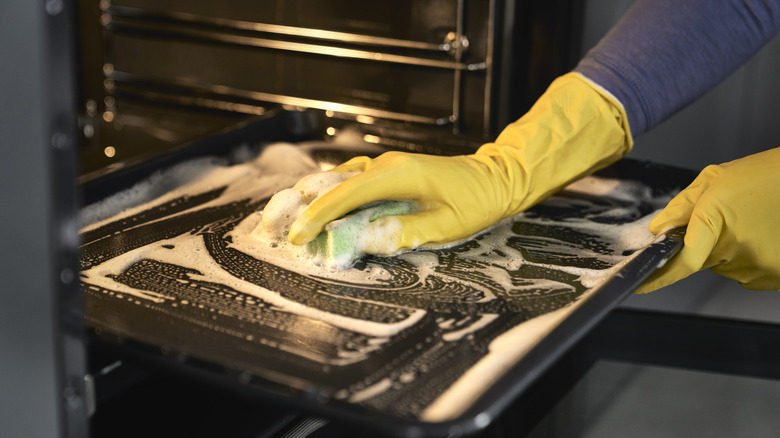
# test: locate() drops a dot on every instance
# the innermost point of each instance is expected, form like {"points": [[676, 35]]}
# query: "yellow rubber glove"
{"points": [[572, 130], [732, 212]]}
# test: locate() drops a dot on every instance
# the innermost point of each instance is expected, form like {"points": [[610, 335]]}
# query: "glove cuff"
{"points": [[612, 100]]}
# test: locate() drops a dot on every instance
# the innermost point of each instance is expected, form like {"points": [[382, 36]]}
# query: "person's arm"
{"points": [[573, 129], [663, 54]]}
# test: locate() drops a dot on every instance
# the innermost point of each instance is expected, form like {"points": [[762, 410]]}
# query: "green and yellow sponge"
{"points": [[342, 242]]}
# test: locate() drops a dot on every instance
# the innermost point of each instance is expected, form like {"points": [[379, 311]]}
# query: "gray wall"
{"points": [[739, 117]]}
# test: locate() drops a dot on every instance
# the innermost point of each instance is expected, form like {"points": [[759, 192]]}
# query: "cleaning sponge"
{"points": [[344, 241]]}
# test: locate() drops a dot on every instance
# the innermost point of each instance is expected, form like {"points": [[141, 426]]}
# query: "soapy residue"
{"points": [[428, 330]]}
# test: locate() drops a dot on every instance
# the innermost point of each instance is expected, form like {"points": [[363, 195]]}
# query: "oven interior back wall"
{"points": [[155, 74]]}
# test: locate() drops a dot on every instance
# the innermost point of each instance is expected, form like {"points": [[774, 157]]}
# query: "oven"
{"points": [[136, 88]]}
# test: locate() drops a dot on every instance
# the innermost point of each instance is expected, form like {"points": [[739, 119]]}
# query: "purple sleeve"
{"points": [[663, 54]]}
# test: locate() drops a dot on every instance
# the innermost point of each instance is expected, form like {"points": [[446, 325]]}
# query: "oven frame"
{"points": [[42, 307]]}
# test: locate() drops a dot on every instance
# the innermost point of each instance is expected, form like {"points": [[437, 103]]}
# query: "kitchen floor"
{"points": [[618, 399]]}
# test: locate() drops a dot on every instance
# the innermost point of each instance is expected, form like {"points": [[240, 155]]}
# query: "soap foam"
{"points": [[277, 167], [286, 205], [156, 185]]}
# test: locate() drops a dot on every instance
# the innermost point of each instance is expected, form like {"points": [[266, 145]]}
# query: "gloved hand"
{"points": [[572, 130], [732, 212]]}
